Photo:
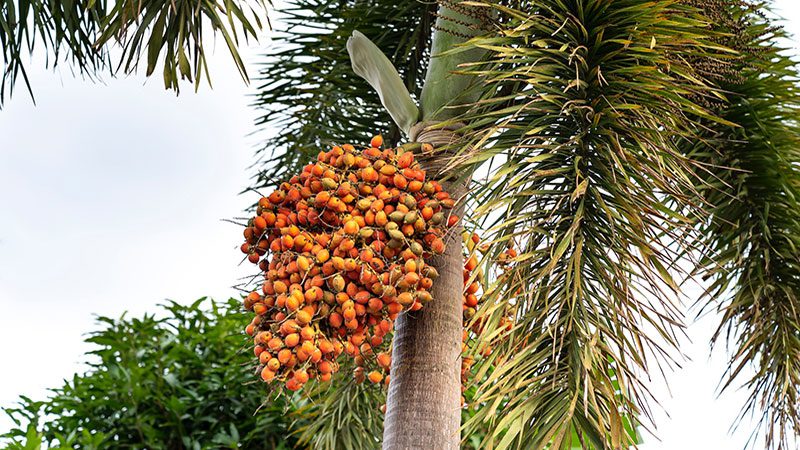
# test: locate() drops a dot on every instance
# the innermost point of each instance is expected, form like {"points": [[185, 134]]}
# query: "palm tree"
{"points": [[620, 146]]}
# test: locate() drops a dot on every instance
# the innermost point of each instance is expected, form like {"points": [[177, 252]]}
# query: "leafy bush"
{"points": [[179, 381], [182, 381]]}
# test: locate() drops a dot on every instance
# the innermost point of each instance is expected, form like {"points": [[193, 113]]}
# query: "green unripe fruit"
{"points": [[328, 183], [397, 216], [410, 202]]}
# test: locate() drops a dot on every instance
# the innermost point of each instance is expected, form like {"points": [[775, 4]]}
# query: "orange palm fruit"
{"points": [[275, 344], [267, 375], [405, 299], [375, 377], [338, 283], [400, 181], [284, 356], [384, 360], [303, 263], [293, 385], [280, 287], [335, 320], [292, 340], [325, 367], [303, 317], [437, 246], [405, 160], [452, 220], [293, 301], [351, 227], [325, 346]]}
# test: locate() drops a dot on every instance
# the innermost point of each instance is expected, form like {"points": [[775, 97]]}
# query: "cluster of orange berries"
{"points": [[343, 248], [469, 303]]}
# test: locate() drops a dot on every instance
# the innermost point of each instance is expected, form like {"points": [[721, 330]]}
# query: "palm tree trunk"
{"points": [[423, 403]]}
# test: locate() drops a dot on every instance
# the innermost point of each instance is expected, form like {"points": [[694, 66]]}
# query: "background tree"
{"points": [[169, 380], [751, 250], [178, 378]]}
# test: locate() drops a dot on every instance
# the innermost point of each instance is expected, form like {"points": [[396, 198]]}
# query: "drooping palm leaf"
{"points": [[84, 32], [581, 109], [341, 414], [752, 254]]}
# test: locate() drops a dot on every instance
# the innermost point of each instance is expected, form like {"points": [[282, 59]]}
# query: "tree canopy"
{"points": [[171, 379], [180, 378]]}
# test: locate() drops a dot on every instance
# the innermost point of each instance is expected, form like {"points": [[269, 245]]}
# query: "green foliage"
{"points": [[309, 97], [86, 31], [160, 383], [581, 105], [346, 415], [343, 415], [58, 26], [751, 250], [369, 63]]}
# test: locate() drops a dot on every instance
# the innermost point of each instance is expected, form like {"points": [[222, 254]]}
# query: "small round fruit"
{"points": [[375, 377], [267, 375]]}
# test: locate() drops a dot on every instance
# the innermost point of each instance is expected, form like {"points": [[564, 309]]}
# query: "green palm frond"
{"points": [[308, 95], [341, 414], [58, 27], [753, 238], [576, 131], [83, 32]]}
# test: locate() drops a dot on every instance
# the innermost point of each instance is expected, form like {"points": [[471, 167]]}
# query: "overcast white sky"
{"points": [[111, 200]]}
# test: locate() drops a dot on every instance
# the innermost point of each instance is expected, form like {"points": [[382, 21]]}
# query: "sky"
{"points": [[113, 197]]}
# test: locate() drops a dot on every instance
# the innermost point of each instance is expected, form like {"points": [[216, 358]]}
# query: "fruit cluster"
{"points": [[469, 302], [343, 248]]}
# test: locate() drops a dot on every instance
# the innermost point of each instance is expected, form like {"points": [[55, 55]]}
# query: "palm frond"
{"points": [[341, 414], [576, 133], [58, 27], [83, 33], [308, 95], [753, 237]]}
